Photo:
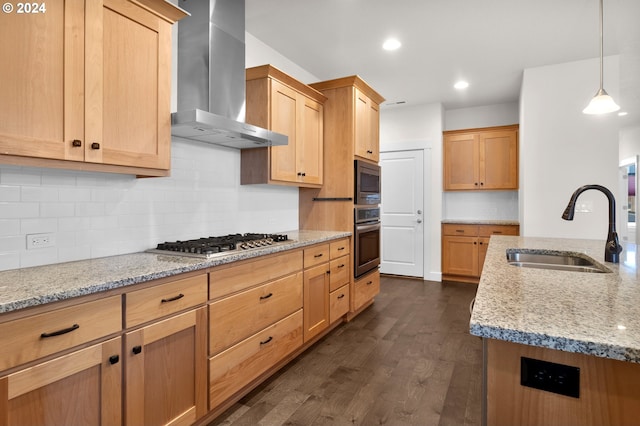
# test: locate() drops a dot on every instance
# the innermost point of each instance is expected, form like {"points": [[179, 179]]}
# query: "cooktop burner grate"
{"points": [[203, 247]]}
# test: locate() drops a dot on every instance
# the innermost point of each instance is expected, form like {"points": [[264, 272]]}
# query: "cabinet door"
{"points": [[316, 300], [461, 167], [81, 388], [127, 107], [284, 119], [460, 256], [310, 151], [166, 371], [42, 82], [483, 245], [367, 137], [499, 160]]}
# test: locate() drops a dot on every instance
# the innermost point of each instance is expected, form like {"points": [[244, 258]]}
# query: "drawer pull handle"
{"points": [[136, 350], [341, 266], [113, 359], [341, 296], [370, 282], [460, 230], [60, 332], [497, 232], [172, 299], [267, 341], [341, 248], [318, 255], [266, 297]]}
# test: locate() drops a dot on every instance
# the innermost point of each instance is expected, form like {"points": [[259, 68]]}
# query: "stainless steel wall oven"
{"points": [[367, 239], [367, 183]]}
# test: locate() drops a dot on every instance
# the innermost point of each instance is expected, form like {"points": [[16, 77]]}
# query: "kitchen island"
{"points": [[586, 320]]}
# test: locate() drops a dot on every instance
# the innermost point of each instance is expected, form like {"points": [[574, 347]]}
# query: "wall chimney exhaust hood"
{"points": [[211, 78]]}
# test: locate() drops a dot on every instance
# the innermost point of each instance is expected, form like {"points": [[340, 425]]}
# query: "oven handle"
{"points": [[361, 227]]}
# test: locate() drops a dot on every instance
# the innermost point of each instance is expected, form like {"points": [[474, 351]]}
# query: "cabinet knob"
{"points": [[475, 243], [76, 142], [95, 145], [476, 184], [113, 359], [136, 350]]}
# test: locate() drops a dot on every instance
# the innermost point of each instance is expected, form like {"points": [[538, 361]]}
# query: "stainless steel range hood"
{"points": [[211, 78]]}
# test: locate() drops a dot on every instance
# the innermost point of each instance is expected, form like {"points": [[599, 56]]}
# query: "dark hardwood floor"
{"points": [[407, 360]]}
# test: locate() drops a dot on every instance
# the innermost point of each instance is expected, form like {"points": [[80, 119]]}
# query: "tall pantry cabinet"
{"points": [[351, 131]]}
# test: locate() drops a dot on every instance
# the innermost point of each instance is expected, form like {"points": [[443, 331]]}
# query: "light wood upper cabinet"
{"points": [[280, 103], [367, 135], [481, 159], [88, 86]]}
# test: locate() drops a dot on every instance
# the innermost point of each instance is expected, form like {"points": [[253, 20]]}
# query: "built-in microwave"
{"points": [[367, 183]]}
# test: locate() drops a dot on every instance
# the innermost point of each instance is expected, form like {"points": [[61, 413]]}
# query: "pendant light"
{"points": [[601, 103]]}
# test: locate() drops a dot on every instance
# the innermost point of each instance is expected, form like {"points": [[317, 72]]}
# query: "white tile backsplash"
{"points": [[102, 214], [480, 205]]}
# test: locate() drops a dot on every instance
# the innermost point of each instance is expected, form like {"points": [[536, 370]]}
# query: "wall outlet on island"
{"points": [[36, 241]]}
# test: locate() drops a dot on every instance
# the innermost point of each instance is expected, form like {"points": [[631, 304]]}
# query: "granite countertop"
{"points": [[590, 313], [481, 221], [26, 287]]}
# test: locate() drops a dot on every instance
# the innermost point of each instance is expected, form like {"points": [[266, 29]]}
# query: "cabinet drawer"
{"points": [[164, 299], [234, 368], [338, 303], [488, 230], [237, 317], [26, 339], [316, 255], [366, 289], [339, 275], [459, 229], [338, 248], [227, 280]]}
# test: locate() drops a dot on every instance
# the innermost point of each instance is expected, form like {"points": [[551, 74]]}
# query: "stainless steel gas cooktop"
{"points": [[212, 246]]}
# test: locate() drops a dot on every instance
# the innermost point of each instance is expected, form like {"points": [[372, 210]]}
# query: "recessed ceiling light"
{"points": [[391, 44], [461, 85], [622, 113]]}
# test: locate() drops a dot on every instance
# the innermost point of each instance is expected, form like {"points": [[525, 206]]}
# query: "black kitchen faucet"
{"points": [[612, 248]]}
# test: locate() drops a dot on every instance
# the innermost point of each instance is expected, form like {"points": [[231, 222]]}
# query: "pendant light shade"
{"points": [[601, 103]]}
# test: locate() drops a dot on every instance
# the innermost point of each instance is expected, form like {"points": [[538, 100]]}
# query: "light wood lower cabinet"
{"points": [[464, 248], [365, 289], [166, 371], [316, 300], [338, 303], [79, 388], [236, 367]]}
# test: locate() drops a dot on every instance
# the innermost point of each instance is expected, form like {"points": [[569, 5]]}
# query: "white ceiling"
{"points": [[486, 42]]}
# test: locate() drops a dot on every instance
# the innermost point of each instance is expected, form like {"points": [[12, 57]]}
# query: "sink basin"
{"points": [[556, 260]]}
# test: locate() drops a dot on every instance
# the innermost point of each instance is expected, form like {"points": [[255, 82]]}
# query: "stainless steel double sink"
{"points": [[555, 260]]}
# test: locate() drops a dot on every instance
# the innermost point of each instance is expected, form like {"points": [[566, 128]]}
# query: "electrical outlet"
{"points": [[36, 241]]}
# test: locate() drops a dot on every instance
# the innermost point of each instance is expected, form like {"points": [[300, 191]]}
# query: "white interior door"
{"points": [[402, 213]]}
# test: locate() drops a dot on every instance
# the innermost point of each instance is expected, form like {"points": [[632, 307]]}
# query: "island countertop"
{"points": [[27, 287], [591, 313]]}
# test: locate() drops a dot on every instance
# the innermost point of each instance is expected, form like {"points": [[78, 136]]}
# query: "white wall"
{"points": [[482, 116], [562, 149], [420, 127], [99, 214]]}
